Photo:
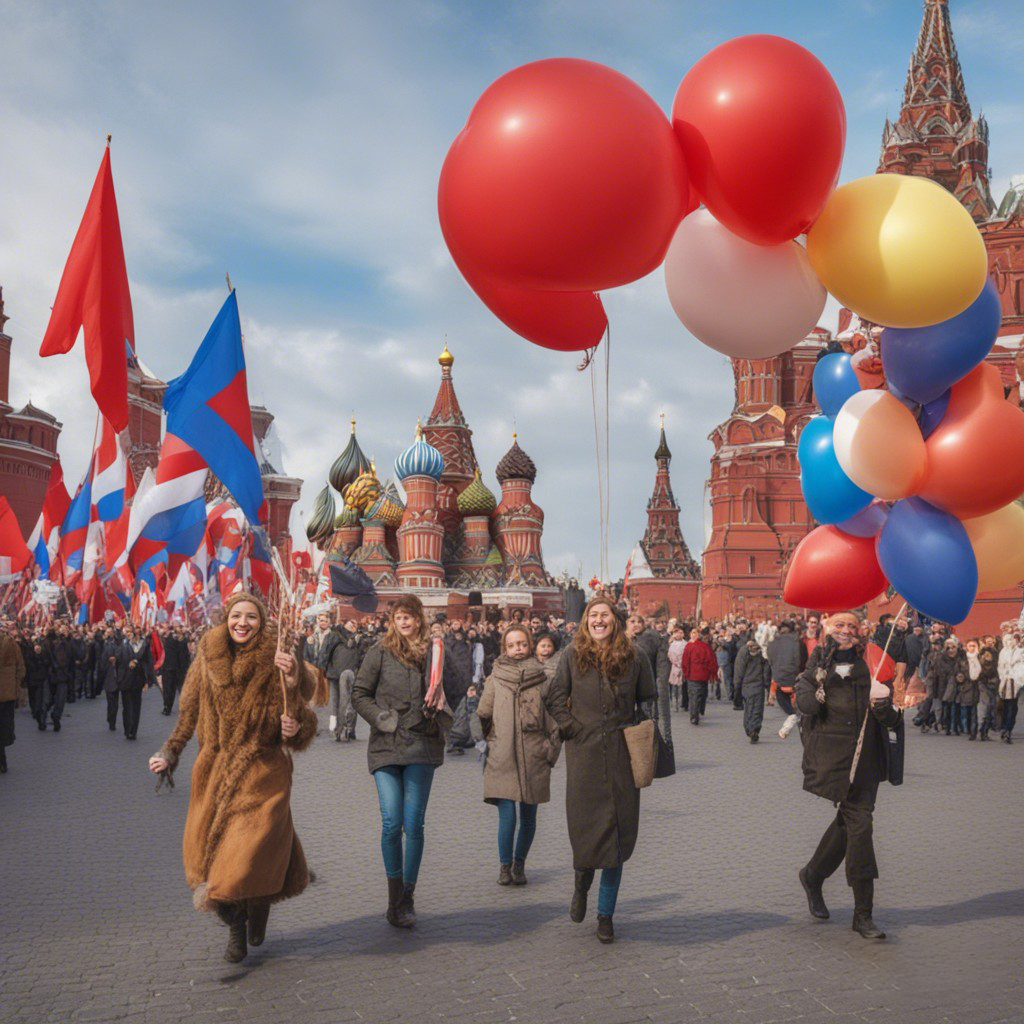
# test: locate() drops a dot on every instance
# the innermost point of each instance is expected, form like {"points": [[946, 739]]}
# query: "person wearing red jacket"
{"points": [[700, 667]]}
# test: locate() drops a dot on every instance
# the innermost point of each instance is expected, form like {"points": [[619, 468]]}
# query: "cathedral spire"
{"points": [[663, 543], [934, 78]]}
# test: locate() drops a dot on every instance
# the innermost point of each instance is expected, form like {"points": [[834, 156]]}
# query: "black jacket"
{"points": [[751, 672], [831, 730]]}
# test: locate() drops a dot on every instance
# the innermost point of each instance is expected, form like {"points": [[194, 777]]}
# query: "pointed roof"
{"points": [[663, 452], [446, 411], [349, 464], [934, 76], [515, 464]]}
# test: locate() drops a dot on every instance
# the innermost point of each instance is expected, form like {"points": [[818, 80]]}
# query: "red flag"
{"points": [[93, 295], [14, 552]]}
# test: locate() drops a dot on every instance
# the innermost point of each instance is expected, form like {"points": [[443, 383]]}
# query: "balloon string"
{"points": [[600, 477], [607, 443]]}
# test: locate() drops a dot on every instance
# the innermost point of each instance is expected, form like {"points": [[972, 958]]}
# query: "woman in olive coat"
{"points": [[595, 694], [522, 747], [845, 757], [408, 722]]}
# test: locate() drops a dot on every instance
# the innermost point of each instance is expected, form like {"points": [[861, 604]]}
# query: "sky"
{"points": [[297, 146]]}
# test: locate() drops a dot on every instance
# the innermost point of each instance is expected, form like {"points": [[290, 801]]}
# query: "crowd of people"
{"points": [[520, 691]]}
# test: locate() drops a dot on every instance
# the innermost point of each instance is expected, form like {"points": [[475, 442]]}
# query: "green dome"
{"points": [[346, 518], [320, 524], [476, 499]]}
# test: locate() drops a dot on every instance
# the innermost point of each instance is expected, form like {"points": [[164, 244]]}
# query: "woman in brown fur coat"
{"points": [[241, 852]]}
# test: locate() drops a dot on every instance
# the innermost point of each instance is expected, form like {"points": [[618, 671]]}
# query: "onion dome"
{"points": [[446, 358], [391, 493], [346, 517], [419, 459], [363, 491], [516, 464], [349, 464], [320, 524], [386, 511], [476, 499]]}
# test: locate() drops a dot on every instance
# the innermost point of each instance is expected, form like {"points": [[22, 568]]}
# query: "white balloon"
{"points": [[748, 301]]}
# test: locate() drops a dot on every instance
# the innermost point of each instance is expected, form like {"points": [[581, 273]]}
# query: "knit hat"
{"points": [[252, 599]]}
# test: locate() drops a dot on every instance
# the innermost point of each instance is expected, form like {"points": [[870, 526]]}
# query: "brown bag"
{"points": [[640, 742]]}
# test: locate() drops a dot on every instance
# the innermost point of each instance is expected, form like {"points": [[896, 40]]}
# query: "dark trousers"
{"points": [[171, 685], [727, 677], [950, 719], [850, 837], [753, 711], [37, 700], [969, 719], [665, 710], [131, 709], [698, 693], [7, 722], [58, 695], [112, 700], [1009, 715]]}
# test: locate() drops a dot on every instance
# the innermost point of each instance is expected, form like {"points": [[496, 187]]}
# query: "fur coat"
{"points": [[239, 843]]}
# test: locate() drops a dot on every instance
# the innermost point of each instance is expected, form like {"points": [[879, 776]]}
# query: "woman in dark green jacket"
{"points": [[408, 720], [599, 683], [846, 756]]}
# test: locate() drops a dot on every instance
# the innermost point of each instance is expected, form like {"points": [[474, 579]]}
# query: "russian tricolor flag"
{"points": [[45, 535], [109, 472]]}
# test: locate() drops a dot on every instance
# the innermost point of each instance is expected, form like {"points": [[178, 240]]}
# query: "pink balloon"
{"points": [[879, 446], [748, 301]]}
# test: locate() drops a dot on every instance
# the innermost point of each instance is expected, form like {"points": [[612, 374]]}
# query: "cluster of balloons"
{"points": [[916, 482]]}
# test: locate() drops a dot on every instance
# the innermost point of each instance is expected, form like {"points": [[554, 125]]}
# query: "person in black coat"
{"points": [[81, 650], [62, 672], [175, 667], [752, 677], [846, 756], [37, 677], [111, 668], [138, 675]]}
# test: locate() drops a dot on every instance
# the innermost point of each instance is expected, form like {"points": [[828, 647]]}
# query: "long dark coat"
{"points": [[830, 730], [239, 844], [602, 803], [384, 684]]}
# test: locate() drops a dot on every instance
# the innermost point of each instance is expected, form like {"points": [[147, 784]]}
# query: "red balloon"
{"points": [[832, 571], [565, 321], [763, 127], [567, 177], [976, 454]]}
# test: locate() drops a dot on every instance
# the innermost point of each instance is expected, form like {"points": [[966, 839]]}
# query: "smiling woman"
{"points": [[241, 852]]}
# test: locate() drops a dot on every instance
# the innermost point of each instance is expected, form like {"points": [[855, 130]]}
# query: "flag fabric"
{"points": [[46, 533], [93, 295], [208, 409], [14, 553], [74, 530], [109, 472], [349, 581]]}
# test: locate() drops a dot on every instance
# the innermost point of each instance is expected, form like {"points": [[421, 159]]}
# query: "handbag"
{"points": [[641, 740], [664, 757], [896, 739]]}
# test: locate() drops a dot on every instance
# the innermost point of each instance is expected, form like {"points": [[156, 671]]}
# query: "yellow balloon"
{"points": [[998, 542], [900, 251]]}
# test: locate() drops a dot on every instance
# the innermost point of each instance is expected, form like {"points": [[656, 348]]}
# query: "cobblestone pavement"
{"points": [[96, 923]]}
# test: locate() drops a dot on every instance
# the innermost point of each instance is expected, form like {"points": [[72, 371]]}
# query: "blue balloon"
{"points": [[927, 556], [830, 494], [834, 381], [867, 523], [932, 413], [925, 361]]}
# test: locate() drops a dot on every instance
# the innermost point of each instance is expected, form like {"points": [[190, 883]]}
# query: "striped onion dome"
{"points": [[349, 464], [346, 517], [476, 499], [386, 511], [363, 491], [320, 524], [419, 459], [515, 464]]}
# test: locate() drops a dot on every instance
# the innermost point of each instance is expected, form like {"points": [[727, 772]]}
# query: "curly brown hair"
{"points": [[612, 657], [410, 651]]}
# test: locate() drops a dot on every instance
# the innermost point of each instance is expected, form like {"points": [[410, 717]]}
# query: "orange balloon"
{"points": [[976, 454], [998, 542], [879, 446]]}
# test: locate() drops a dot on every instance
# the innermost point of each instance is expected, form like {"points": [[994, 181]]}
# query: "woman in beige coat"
{"points": [[522, 747]]}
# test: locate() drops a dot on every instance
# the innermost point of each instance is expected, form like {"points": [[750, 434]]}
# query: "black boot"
{"points": [[257, 920], [863, 904], [504, 874], [578, 906], [237, 949], [395, 891], [407, 907], [605, 931], [519, 872], [3, 760], [812, 884]]}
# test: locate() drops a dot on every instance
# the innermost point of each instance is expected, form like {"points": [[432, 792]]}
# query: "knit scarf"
{"points": [[973, 666]]}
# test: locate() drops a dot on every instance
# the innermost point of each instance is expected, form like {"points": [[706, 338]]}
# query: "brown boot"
{"points": [[237, 950], [258, 914], [578, 906], [395, 891], [605, 931], [519, 872], [407, 907]]}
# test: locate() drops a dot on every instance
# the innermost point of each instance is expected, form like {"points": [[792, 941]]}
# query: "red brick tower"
{"points": [[421, 535], [28, 444], [673, 582], [518, 522], [446, 429]]}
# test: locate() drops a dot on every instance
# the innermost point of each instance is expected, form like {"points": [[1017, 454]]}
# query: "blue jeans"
{"points": [[608, 891], [403, 790], [969, 719], [507, 830]]}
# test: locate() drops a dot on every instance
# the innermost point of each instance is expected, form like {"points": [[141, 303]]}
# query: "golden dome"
{"points": [[446, 358]]}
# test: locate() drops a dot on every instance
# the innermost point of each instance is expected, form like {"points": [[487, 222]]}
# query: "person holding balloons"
{"points": [[846, 716]]}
